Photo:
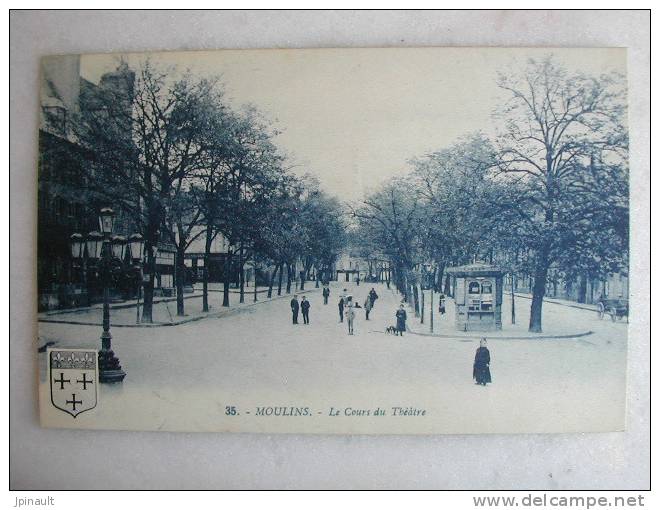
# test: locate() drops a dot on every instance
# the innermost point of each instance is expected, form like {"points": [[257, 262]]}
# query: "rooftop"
{"points": [[475, 270]]}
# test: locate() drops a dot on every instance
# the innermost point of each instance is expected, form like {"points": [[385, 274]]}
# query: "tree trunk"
{"points": [[279, 282], [151, 242], [406, 288], [447, 291], [289, 274], [513, 299], [437, 282], [422, 304], [227, 279], [205, 277], [540, 276], [241, 277], [254, 268], [582, 289], [431, 311], [180, 277], [147, 305], [272, 282], [416, 299]]}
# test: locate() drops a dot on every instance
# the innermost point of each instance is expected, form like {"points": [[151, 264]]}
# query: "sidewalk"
{"points": [[556, 323], [164, 309], [559, 301], [131, 303]]}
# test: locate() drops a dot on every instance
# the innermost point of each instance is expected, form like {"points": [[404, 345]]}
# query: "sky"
{"points": [[355, 117]]}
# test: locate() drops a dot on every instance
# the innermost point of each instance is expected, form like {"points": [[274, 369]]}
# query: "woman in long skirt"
{"points": [[401, 320], [481, 369]]}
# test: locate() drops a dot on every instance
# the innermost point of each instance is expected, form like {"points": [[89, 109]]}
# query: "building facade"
{"points": [[66, 201], [221, 253]]}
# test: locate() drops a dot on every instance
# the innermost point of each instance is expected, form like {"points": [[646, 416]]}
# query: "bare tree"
{"points": [[391, 218], [141, 149], [555, 123]]}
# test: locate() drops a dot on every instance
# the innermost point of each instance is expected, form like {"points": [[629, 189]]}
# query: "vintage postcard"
{"points": [[372, 241]]}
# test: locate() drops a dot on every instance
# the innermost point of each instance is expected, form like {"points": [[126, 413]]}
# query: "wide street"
{"points": [[184, 377]]}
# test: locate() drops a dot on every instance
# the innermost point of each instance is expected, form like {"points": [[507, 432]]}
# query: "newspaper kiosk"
{"points": [[478, 297]]}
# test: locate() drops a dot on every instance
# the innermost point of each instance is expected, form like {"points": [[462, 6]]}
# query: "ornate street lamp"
{"points": [[118, 246], [104, 249], [106, 221], [77, 246], [77, 243], [136, 247], [108, 252], [94, 245]]}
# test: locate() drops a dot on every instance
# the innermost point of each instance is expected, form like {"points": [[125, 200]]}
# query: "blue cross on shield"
{"points": [[73, 375]]}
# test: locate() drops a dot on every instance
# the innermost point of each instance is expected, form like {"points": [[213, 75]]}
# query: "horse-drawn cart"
{"points": [[616, 308]]}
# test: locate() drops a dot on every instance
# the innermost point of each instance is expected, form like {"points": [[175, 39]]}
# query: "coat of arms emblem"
{"points": [[73, 377]]}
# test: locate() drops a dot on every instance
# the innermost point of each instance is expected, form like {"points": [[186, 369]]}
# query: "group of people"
{"points": [[303, 307], [346, 306]]}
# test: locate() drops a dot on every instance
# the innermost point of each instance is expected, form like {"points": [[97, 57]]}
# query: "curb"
{"points": [[579, 306], [524, 337], [133, 303], [115, 306], [540, 337], [210, 315]]}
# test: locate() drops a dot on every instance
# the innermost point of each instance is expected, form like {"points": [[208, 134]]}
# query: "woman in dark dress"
{"points": [[401, 320], [441, 304], [481, 369]]}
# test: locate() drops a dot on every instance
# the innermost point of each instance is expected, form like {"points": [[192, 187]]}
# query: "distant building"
{"points": [[349, 266], [220, 248], [583, 290], [580, 287]]}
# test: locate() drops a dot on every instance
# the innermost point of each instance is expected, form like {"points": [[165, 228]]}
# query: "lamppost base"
{"points": [[111, 376], [109, 368]]}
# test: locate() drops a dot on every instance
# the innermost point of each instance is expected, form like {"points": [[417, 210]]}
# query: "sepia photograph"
{"points": [[338, 241]]}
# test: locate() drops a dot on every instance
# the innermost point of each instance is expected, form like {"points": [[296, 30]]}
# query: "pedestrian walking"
{"points": [[295, 306], [350, 317], [373, 296], [441, 304], [304, 307], [481, 368], [341, 309], [401, 317], [367, 306], [326, 294]]}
